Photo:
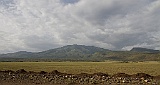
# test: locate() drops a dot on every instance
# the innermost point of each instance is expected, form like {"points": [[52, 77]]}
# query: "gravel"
{"points": [[22, 77]]}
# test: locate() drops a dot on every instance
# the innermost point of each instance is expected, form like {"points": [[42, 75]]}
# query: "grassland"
{"points": [[152, 68]]}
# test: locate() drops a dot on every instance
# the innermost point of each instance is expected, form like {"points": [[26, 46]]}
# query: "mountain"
{"points": [[19, 54], [84, 53], [79, 52], [138, 49], [132, 56], [72, 52]]}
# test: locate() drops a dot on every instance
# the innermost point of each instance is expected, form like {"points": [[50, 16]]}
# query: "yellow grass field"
{"points": [[152, 68]]}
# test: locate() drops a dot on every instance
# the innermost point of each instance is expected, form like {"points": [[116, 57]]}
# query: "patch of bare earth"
{"points": [[22, 77]]}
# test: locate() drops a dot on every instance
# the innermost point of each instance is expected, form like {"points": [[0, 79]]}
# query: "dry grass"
{"points": [[152, 68]]}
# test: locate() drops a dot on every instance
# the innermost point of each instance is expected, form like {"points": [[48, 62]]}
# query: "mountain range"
{"points": [[86, 53]]}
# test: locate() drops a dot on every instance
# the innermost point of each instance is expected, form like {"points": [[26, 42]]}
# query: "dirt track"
{"points": [[22, 77]]}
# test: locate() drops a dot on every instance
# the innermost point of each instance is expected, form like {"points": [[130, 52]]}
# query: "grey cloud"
{"points": [[6, 3], [69, 1], [113, 24], [99, 12], [135, 28], [41, 43]]}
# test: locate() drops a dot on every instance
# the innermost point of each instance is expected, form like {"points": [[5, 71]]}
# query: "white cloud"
{"points": [[114, 24]]}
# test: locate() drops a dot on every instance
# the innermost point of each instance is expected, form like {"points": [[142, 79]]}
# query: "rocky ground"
{"points": [[22, 77]]}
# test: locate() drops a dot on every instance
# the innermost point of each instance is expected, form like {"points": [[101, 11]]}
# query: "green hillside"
{"points": [[132, 56], [145, 50], [84, 53]]}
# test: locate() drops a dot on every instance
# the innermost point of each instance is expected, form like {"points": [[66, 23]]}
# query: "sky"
{"points": [[38, 25]]}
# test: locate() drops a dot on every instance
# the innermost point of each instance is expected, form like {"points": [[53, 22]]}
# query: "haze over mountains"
{"points": [[90, 53]]}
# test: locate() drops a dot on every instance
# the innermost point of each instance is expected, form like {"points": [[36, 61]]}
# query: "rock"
{"points": [[101, 74], [8, 71], [42, 72], [44, 78], [21, 71], [121, 75], [55, 72], [142, 75]]}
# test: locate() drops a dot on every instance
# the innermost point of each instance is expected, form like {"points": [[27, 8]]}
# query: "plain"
{"points": [[110, 67]]}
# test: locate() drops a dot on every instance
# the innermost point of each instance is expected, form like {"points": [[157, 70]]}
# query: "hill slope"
{"points": [[72, 52], [20, 54], [138, 49], [82, 52]]}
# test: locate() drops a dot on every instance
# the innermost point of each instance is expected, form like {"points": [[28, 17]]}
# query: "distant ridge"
{"points": [[84, 53], [19, 54], [71, 52], [139, 49]]}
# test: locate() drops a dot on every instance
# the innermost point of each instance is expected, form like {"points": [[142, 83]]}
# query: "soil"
{"points": [[22, 77]]}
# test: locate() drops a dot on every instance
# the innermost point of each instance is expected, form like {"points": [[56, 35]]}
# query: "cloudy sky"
{"points": [[37, 25]]}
